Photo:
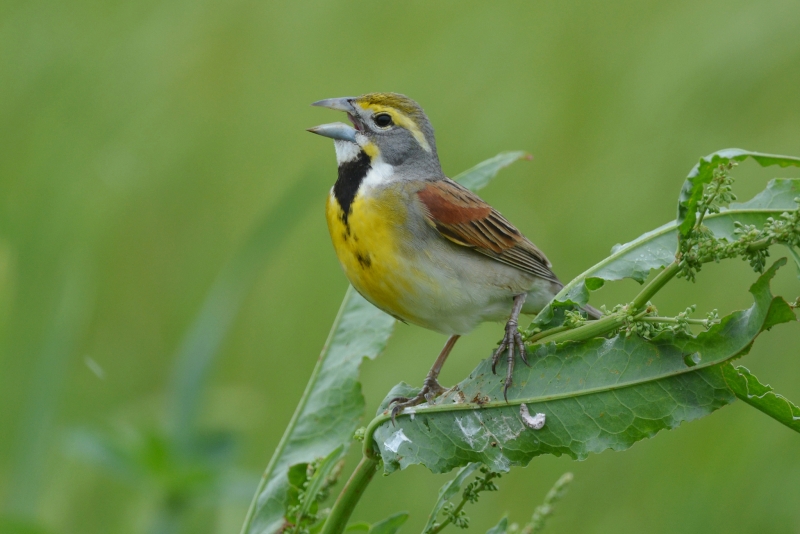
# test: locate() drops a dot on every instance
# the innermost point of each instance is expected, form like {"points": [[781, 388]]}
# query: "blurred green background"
{"points": [[145, 143]]}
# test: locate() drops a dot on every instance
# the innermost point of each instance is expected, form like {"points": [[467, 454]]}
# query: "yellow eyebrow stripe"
{"points": [[400, 119]]}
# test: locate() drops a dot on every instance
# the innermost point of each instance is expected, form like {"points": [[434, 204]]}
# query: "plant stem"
{"points": [[587, 331], [547, 333], [655, 285], [609, 323], [449, 520], [484, 483], [350, 495]]}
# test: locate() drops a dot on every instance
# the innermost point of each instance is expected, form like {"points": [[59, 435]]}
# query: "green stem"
{"points": [[350, 495], [547, 333], [449, 519], [655, 285], [609, 323], [587, 331]]}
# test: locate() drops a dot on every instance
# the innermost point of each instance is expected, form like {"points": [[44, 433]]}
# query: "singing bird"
{"points": [[418, 245]]}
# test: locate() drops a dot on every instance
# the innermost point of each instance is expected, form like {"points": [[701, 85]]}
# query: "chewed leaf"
{"points": [[656, 248], [481, 174], [761, 396], [596, 395], [702, 173]]}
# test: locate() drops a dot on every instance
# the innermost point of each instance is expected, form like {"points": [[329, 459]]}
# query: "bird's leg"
{"points": [[431, 387], [511, 340]]}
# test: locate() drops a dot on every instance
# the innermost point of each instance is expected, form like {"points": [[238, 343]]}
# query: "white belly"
{"points": [[466, 288]]}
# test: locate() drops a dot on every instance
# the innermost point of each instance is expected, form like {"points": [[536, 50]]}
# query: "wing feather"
{"points": [[465, 219]]}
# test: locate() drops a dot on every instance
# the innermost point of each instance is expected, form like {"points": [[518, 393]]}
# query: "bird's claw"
{"points": [[511, 340], [430, 390]]}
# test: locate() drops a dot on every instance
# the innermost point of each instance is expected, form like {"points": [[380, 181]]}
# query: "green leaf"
{"points": [[481, 174], [390, 525], [447, 491], [500, 527], [761, 396], [656, 248], [596, 395], [701, 174], [329, 410]]}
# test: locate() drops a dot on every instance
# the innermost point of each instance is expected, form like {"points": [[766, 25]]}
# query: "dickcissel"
{"points": [[418, 245]]}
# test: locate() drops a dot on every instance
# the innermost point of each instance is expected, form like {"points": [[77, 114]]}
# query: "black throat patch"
{"points": [[351, 174]]}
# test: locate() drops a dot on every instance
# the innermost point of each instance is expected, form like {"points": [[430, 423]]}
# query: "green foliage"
{"points": [[600, 394], [657, 248], [537, 522], [690, 203], [648, 324], [636, 373], [453, 513], [309, 484], [699, 246], [762, 397], [450, 488]]}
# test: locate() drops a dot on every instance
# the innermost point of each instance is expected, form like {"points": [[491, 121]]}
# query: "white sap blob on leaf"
{"points": [[397, 439]]}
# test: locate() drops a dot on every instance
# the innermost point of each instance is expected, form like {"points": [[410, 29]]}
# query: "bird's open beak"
{"points": [[336, 130]]}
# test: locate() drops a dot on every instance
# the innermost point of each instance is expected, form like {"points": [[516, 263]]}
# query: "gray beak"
{"points": [[335, 130], [339, 104]]}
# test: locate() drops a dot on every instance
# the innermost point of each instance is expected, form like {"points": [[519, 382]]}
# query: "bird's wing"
{"points": [[464, 218]]}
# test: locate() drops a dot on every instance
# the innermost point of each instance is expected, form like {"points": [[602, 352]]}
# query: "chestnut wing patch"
{"points": [[464, 218]]}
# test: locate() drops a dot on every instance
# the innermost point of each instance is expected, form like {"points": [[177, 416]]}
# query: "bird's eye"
{"points": [[382, 120]]}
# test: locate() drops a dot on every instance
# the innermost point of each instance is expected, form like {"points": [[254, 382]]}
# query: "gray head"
{"points": [[388, 126]]}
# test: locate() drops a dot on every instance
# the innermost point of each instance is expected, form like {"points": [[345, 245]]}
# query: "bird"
{"points": [[420, 246]]}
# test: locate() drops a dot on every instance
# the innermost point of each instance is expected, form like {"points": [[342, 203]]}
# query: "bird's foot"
{"points": [[511, 341], [430, 390]]}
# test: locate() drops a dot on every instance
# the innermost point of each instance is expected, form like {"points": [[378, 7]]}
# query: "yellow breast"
{"points": [[369, 244]]}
